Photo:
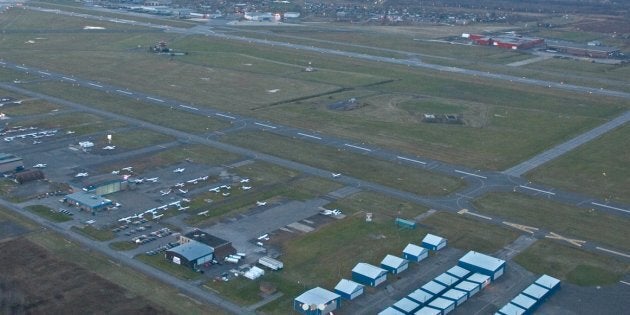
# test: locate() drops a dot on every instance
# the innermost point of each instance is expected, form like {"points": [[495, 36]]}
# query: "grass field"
{"points": [[571, 264], [80, 123], [122, 246], [48, 213], [222, 74], [598, 168], [580, 223], [94, 233], [346, 162]]}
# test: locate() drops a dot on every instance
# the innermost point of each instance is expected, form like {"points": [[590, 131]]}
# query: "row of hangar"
{"points": [[321, 301], [473, 272]]}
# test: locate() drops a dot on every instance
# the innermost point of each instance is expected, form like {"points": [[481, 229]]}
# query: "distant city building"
{"points": [[591, 51], [508, 41]]}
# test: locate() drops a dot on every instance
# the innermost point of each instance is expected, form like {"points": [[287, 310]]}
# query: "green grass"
{"points": [[347, 162], [135, 139], [122, 246], [468, 234], [566, 220], [48, 213], [571, 264], [382, 207], [239, 290], [80, 123], [94, 233], [159, 262], [598, 168]]}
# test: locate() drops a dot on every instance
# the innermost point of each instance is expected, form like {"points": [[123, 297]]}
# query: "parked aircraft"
{"points": [[204, 178], [179, 170], [128, 169], [109, 147], [246, 187], [155, 217], [183, 208], [183, 191], [152, 179], [40, 165], [261, 203], [165, 192], [335, 175], [203, 212], [245, 180], [179, 185], [115, 172], [215, 189], [81, 175], [225, 194]]}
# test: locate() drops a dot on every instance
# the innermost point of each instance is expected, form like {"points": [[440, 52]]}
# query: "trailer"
{"points": [[270, 263]]}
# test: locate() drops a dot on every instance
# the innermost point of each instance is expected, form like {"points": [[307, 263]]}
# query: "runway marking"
{"points": [[69, 79], [528, 229], [471, 174], [626, 283], [23, 68], [465, 211], [411, 160], [556, 236], [189, 107], [268, 126], [538, 190], [96, 85], [613, 252], [43, 72], [155, 99], [226, 116], [310, 136], [357, 147], [610, 207], [124, 92]]}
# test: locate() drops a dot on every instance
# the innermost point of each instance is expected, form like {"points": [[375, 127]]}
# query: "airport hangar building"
{"points": [[191, 254], [220, 247], [87, 201], [104, 184]]}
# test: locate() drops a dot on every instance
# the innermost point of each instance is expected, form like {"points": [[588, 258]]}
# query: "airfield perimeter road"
{"points": [[194, 292], [458, 202]]}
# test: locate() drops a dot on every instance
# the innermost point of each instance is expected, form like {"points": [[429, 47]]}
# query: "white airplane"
{"points": [[138, 180], [204, 178], [152, 179], [69, 132], [226, 187], [326, 212], [203, 212], [165, 192], [40, 165], [225, 194], [336, 212], [36, 142], [215, 189], [192, 181], [109, 147], [183, 191], [155, 217], [185, 200], [245, 180], [179, 185], [261, 203], [128, 169], [81, 175], [246, 187], [182, 208], [335, 175], [179, 170], [162, 207], [115, 172]]}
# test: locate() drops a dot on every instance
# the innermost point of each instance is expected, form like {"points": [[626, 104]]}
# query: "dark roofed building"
{"points": [[29, 176], [221, 247], [191, 254], [104, 184], [88, 202]]}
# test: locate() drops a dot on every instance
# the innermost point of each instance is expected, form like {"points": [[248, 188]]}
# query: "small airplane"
{"points": [[185, 200], [336, 212], [165, 192], [162, 207], [225, 194], [40, 165], [81, 175], [115, 172], [192, 181], [179, 170], [155, 217], [261, 203], [245, 180], [109, 147], [203, 212], [215, 189], [179, 185], [326, 212], [183, 191], [335, 175], [226, 187], [128, 169], [204, 178], [182, 208], [36, 142], [246, 187], [152, 179], [138, 180], [69, 132]]}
